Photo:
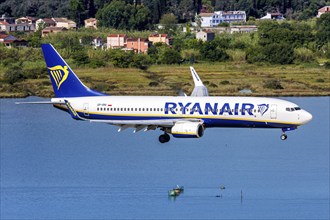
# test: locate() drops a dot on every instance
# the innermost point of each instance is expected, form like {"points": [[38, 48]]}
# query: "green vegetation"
{"points": [[143, 14], [225, 78], [282, 58]]}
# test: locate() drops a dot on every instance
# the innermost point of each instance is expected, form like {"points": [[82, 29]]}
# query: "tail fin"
{"points": [[65, 82]]}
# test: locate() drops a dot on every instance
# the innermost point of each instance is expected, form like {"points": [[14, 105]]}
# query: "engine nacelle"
{"points": [[187, 130]]}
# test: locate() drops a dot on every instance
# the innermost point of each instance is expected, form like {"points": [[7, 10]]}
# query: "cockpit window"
{"points": [[293, 109]]}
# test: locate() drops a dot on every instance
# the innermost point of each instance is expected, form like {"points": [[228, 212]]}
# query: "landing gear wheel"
{"points": [[284, 137], [164, 138]]}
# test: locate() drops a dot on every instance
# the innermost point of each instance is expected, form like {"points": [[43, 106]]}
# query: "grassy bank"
{"points": [[220, 78]]}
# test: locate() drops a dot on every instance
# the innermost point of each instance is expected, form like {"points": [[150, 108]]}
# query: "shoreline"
{"points": [[221, 79]]}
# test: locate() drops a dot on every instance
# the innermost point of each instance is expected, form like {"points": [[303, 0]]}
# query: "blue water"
{"points": [[53, 167]]}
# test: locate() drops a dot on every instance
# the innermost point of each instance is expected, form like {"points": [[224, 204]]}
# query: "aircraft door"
{"points": [[273, 111], [86, 109]]}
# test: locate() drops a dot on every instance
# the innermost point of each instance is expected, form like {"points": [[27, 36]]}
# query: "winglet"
{"points": [[197, 80], [200, 89]]}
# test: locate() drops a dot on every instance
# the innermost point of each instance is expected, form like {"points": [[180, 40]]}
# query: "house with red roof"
{"points": [[91, 23], [116, 41], [45, 22], [10, 41], [138, 45], [49, 30], [159, 38], [325, 9]]}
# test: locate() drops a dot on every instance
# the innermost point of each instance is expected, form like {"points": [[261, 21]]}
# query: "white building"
{"points": [[272, 16], [5, 26], [91, 23], [218, 17], [210, 19], [65, 23], [205, 35], [233, 16]]}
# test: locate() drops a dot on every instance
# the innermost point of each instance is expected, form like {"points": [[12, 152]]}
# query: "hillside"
{"points": [[152, 10]]}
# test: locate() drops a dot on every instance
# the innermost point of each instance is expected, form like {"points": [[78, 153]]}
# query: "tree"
{"points": [[139, 17], [78, 11], [141, 61], [112, 15], [169, 21], [278, 53], [80, 57], [211, 51], [120, 15], [169, 56], [323, 30], [14, 73]]}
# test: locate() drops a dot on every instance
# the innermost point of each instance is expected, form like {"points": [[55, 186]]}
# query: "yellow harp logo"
{"points": [[59, 74]]}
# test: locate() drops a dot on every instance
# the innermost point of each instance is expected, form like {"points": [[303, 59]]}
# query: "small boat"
{"points": [[173, 192], [179, 189]]}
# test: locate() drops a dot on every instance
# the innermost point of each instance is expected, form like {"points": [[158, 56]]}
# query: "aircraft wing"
{"points": [[145, 124], [137, 124], [200, 89]]}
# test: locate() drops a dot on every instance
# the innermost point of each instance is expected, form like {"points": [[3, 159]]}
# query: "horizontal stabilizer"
{"points": [[44, 102]]}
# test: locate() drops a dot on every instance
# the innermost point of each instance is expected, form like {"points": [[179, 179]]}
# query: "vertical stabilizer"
{"points": [[65, 82]]}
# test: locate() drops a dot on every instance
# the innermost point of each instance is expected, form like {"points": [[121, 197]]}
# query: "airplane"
{"points": [[181, 116]]}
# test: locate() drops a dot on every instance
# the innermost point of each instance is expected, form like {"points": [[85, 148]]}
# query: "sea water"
{"points": [[53, 167]]}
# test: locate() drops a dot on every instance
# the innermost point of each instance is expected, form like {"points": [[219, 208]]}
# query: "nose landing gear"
{"points": [[164, 138], [284, 136]]}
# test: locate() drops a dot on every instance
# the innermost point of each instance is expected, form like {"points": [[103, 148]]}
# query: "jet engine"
{"points": [[187, 130]]}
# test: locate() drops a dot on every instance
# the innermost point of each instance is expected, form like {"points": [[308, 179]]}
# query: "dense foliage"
{"points": [[275, 43], [142, 14]]}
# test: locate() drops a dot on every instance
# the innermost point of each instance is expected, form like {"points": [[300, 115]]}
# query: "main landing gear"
{"points": [[284, 137], [164, 138]]}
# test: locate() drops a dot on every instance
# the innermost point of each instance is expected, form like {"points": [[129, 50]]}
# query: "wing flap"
{"points": [[148, 124]]}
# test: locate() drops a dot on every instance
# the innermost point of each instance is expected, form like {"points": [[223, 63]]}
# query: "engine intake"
{"points": [[187, 130]]}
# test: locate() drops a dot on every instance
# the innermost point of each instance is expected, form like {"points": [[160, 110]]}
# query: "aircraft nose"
{"points": [[307, 117]]}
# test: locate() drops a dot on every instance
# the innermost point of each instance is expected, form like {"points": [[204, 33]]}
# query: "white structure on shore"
{"points": [[218, 17]]}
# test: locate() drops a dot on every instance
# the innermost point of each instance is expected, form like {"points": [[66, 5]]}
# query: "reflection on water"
{"points": [[53, 167]]}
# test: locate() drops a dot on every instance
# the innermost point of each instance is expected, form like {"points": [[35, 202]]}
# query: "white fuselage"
{"points": [[214, 111]]}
